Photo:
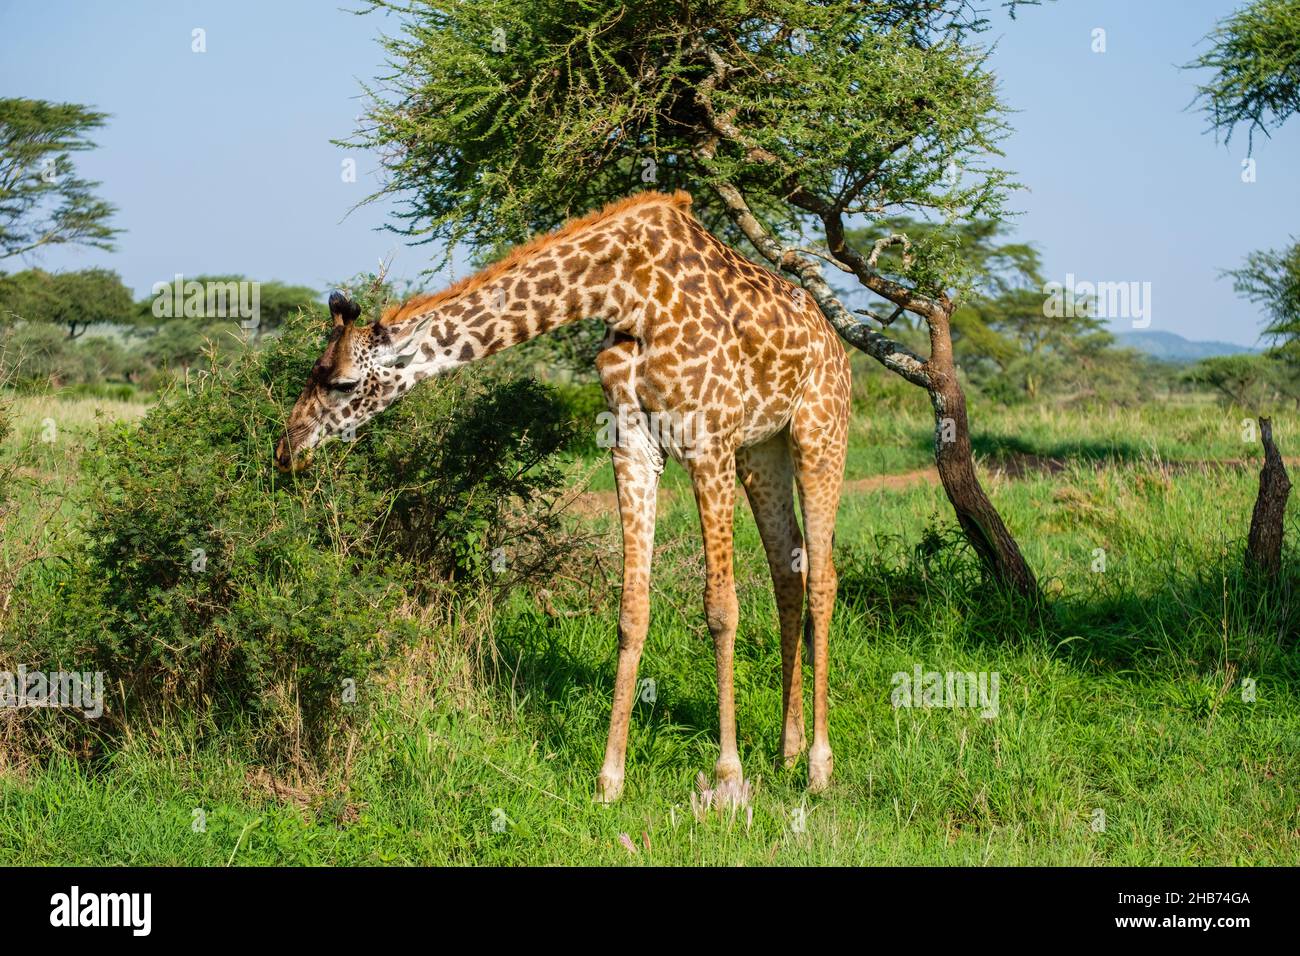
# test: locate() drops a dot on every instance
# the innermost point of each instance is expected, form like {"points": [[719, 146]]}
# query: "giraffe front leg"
{"points": [[637, 478], [715, 495]]}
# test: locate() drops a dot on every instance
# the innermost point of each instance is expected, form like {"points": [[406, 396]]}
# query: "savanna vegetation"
{"points": [[405, 654], [348, 680]]}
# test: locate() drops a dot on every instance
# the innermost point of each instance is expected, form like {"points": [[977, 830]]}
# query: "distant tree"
{"points": [[1093, 369], [26, 295], [1255, 56], [32, 353], [1001, 328], [73, 300], [221, 299], [182, 343], [106, 358], [43, 202], [1271, 279], [279, 301], [1244, 380]]}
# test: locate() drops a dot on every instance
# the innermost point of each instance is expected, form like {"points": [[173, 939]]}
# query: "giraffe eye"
{"points": [[344, 386]]}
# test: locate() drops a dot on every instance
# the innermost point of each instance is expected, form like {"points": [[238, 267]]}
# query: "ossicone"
{"points": [[343, 309]]}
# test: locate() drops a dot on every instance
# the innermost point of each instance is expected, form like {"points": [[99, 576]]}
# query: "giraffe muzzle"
{"points": [[285, 460]]}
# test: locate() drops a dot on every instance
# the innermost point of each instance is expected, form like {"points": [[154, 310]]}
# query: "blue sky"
{"points": [[221, 162]]}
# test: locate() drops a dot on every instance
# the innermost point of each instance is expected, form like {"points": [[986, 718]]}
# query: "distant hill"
{"points": [[1171, 347]]}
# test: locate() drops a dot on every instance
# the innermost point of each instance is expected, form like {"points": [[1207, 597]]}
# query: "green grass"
{"points": [[1123, 697], [896, 441]]}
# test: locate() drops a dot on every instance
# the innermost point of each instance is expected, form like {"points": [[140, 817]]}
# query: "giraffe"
{"points": [[698, 336]]}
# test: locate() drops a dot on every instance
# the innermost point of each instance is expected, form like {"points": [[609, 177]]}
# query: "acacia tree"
{"points": [[43, 201], [790, 122], [276, 303], [1255, 58], [1271, 278], [74, 300]]}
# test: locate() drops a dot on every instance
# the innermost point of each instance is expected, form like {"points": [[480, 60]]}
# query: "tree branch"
{"points": [[831, 214], [894, 356]]}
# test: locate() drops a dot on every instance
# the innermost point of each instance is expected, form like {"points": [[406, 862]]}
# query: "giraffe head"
{"points": [[363, 370]]}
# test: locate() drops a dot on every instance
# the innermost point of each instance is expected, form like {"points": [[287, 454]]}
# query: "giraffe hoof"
{"points": [[609, 788], [727, 773], [819, 771], [791, 751]]}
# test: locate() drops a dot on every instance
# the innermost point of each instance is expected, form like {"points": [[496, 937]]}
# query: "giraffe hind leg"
{"points": [[819, 472], [767, 474]]}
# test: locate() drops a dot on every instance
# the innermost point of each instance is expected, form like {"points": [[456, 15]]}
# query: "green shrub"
{"points": [[583, 404], [210, 582]]}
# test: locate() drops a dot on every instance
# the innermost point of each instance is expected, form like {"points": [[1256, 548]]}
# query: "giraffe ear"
{"points": [[343, 309]]}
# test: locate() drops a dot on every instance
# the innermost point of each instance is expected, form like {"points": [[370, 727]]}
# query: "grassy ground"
{"points": [[1121, 734]]}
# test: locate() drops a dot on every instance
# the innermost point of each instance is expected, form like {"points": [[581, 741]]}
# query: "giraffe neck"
{"points": [[567, 281]]}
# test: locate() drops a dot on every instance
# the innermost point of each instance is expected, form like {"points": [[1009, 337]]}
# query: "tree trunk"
{"points": [[1264, 545], [980, 521]]}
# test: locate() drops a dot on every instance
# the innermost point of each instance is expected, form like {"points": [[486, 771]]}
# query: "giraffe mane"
{"points": [[421, 303]]}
